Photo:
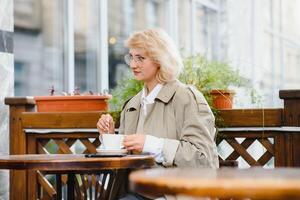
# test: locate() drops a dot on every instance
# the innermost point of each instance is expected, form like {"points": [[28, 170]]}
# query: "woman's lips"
{"points": [[136, 72]]}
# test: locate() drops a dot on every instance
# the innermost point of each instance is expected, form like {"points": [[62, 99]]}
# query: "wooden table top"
{"points": [[279, 183], [76, 162]]}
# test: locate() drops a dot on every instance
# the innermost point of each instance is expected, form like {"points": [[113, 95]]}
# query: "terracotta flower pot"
{"points": [[72, 103], [222, 99]]}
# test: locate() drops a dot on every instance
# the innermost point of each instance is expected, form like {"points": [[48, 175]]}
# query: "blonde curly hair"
{"points": [[161, 48]]}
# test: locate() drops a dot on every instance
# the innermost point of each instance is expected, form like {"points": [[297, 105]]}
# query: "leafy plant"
{"points": [[211, 75], [126, 88], [208, 75]]}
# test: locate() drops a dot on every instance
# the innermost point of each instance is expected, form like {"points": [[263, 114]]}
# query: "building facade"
{"points": [[260, 38], [7, 82]]}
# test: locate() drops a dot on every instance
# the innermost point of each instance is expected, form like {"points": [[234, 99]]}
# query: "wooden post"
{"points": [[291, 117], [17, 142], [31, 174]]}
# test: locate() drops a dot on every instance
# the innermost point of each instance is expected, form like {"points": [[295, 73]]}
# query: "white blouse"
{"points": [[152, 145]]}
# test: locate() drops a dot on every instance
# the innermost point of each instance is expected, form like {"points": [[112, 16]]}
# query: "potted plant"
{"points": [[222, 99], [72, 103], [213, 79]]}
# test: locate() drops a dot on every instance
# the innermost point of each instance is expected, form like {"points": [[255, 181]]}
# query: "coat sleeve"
{"points": [[195, 146]]}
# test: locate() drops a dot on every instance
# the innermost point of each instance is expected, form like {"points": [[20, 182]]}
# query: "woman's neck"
{"points": [[150, 85]]}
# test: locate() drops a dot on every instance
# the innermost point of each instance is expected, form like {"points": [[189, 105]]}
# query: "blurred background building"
{"points": [[6, 82], [81, 42]]}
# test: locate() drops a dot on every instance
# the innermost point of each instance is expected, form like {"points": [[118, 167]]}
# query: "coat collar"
{"points": [[165, 94], [167, 91], [149, 98], [135, 102]]}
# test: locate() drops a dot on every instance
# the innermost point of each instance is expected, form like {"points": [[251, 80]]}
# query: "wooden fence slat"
{"points": [[70, 141], [31, 174], [246, 143], [79, 194], [85, 184], [96, 143], [265, 158], [252, 117], [46, 185], [243, 153], [89, 146], [268, 145], [63, 147], [109, 185], [42, 149]]}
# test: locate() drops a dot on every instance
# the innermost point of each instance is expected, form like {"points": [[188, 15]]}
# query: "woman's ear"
{"points": [[157, 65]]}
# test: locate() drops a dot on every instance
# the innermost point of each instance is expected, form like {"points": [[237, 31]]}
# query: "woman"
{"points": [[168, 119]]}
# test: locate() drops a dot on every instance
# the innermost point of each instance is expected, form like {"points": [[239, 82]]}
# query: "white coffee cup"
{"points": [[112, 141]]}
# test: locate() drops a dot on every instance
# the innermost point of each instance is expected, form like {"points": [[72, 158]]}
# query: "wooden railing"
{"points": [[64, 141], [250, 129], [243, 128]]}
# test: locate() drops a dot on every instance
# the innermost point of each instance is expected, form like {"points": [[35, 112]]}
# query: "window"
{"points": [[85, 37], [39, 44], [20, 78], [124, 17]]}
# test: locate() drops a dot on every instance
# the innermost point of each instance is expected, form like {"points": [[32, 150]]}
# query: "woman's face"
{"points": [[143, 67]]}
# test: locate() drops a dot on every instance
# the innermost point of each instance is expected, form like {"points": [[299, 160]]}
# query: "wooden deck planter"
{"points": [[71, 103]]}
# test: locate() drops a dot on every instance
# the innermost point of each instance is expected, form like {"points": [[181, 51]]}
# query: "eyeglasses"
{"points": [[137, 59]]}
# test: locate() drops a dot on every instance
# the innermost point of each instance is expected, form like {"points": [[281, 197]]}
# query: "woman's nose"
{"points": [[133, 64]]}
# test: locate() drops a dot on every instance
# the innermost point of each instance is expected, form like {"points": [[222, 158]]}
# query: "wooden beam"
{"points": [[252, 117], [60, 120], [19, 101]]}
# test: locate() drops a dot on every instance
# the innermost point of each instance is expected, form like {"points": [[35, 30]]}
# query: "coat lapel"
{"points": [[167, 91], [132, 114], [133, 107]]}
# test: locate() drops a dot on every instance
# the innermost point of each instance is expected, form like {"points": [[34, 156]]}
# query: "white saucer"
{"points": [[122, 151]]}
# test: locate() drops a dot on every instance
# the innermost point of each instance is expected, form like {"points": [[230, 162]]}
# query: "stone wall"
{"points": [[6, 82]]}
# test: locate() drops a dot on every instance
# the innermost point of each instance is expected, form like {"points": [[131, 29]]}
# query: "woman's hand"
{"points": [[134, 142], [106, 124]]}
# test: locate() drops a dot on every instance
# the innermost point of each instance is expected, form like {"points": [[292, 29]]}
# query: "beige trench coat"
{"points": [[181, 115]]}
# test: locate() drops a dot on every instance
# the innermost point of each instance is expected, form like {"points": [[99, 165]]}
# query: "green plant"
{"points": [[126, 88], [211, 75], [208, 75]]}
